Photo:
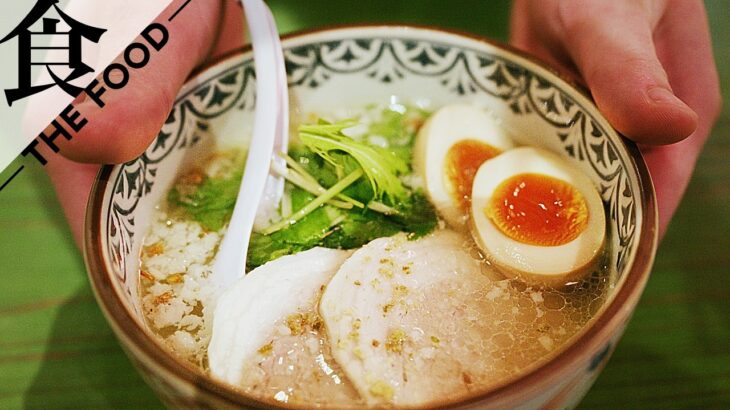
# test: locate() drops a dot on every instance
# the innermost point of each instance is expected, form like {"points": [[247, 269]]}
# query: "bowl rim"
{"points": [[125, 324]]}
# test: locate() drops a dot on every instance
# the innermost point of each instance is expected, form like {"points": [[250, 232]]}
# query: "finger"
{"points": [[530, 31], [231, 36], [670, 167], [72, 182], [684, 48], [132, 116], [612, 46]]}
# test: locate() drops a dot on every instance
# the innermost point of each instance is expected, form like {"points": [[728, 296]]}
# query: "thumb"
{"points": [[612, 46], [132, 116]]}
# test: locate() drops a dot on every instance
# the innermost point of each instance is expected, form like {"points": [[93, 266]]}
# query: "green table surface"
{"points": [[56, 350]]}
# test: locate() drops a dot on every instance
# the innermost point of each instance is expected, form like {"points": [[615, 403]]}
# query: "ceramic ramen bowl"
{"points": [[356, 66]]}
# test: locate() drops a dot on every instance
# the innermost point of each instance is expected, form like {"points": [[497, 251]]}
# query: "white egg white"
{"points": [[542, 265], [446, 127]]}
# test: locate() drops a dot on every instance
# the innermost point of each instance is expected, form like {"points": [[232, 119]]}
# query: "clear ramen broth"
{"points": [[500, 325]]}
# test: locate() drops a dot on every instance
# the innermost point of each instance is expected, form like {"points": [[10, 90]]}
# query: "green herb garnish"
{"points": [[316, 203], [344, 192], [380, 166], [211, 203]]}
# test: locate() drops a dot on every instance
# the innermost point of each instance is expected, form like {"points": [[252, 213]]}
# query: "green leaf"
{"points": [[316, 166], [327, 174], [305, 234], [315, 204], [416, 215], [327, 156], [380, 166], [265, 248], [357, 229], [390, 126], [341, 229], [399, 130], [315, 225], [211, 203]]}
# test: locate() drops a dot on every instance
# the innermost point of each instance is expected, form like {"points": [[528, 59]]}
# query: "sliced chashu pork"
{"points": [[266, 331], [404, 321]]}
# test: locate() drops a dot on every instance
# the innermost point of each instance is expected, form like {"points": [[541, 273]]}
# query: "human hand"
{"points": [[649, 67], [133, 116]]}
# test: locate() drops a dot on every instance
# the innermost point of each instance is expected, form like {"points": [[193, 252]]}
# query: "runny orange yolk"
{"points": [[538, 210], [462, 163]]}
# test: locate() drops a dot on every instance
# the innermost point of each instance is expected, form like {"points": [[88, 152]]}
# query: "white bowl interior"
{"points": [[351, 68]]}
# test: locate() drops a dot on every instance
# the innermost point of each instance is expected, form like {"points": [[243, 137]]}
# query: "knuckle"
{"points": [[166, 98], [571, 19]]}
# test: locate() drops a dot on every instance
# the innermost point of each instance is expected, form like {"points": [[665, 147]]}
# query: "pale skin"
{"points": [[632, 55]]}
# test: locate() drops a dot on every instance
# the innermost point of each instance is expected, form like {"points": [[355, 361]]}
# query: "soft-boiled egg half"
{"points": [[449, 150], [536, 217]]}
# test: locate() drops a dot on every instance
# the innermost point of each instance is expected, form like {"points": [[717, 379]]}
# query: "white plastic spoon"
{"points": [[260, 192]]}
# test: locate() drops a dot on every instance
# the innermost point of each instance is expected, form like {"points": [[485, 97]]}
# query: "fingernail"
{"points": [[682, 116], [662, 95]]}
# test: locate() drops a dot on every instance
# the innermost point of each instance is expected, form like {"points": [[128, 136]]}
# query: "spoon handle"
{"points": [[268, 209], [269, 133]]}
